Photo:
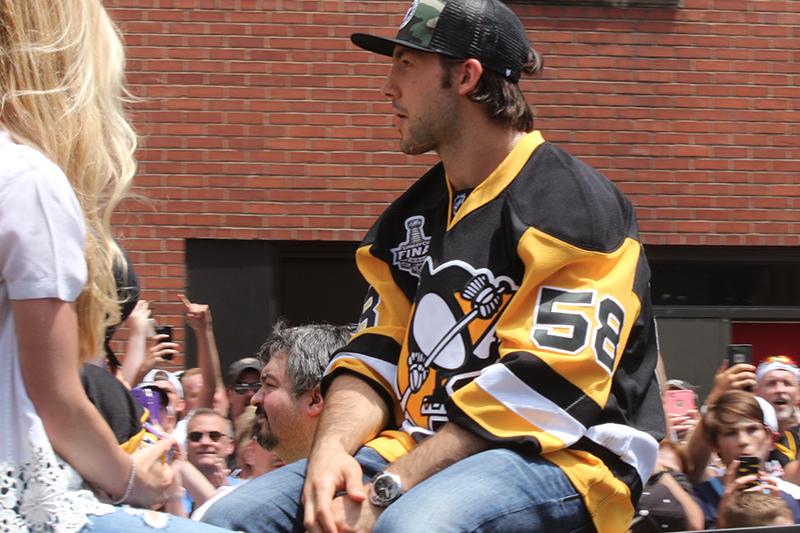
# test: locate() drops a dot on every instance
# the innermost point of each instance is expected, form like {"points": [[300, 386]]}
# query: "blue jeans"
{"points": [[496, 490], [126, 519]]}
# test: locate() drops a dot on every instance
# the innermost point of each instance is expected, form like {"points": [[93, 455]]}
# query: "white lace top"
{"points": [[41, 256]]}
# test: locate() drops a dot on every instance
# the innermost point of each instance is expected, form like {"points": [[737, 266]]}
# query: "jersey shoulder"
{"points": [[424, 198], [564, 197]]}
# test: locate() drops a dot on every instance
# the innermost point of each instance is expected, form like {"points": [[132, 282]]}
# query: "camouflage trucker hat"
{"points": [[486, 30]]}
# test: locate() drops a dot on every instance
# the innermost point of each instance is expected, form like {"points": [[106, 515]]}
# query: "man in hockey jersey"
{"points": [[503, 374]]}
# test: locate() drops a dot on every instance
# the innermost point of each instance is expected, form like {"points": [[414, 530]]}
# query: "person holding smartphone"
{"points": [[680, 406], [735, 427], [739, 376]]}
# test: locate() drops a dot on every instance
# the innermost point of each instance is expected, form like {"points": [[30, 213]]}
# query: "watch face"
{"points": [[385, 489]]}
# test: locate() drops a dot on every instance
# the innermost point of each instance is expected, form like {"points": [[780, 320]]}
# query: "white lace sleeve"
{"points": [[41, 495]]}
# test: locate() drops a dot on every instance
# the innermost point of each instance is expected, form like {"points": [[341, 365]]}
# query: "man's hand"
{"points": [[331, 469], [220, 475], [156, 354], [139, 317], [738, 377], [734, 484], [354, 517], [684, 424], [198, 316]]}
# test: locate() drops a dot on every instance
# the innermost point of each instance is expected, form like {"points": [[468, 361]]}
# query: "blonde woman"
{"points": [[66, 158]]}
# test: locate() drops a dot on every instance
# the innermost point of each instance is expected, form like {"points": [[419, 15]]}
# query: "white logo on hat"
{"points": [[409, 14]]}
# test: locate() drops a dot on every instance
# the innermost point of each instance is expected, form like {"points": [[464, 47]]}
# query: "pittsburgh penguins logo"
{"points": [[451, 336]]}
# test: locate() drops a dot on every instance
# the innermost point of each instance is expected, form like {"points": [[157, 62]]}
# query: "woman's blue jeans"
{"points": [[496, 490]]}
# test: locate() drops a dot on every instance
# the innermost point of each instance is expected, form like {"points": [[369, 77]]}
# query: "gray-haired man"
{"points": [[289, 402]]}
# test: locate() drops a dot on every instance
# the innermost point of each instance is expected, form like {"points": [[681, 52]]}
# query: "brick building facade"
{"points": [[261, 123]]}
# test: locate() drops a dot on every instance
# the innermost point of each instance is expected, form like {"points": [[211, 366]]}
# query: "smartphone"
{"points": [[748, 466], [150, 400], [740, 353], [165, 330], [680, 402]]}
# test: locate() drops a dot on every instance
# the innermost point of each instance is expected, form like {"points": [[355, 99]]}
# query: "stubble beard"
{"points": [[417, 142], [263, 434], [434, 125], [266, 439]]}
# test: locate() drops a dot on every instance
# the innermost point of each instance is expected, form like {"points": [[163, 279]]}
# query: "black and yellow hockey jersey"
{"points": [[525, 318]]}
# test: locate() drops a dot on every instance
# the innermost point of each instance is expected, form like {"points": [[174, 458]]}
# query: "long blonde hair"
{"points": [[62, 67]]}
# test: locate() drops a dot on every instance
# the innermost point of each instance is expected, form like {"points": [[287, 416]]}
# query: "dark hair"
{"points": [[502, 99], [307, 348]]}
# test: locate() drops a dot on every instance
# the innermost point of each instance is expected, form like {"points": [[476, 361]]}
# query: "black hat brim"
{"points": [[383, 45]]}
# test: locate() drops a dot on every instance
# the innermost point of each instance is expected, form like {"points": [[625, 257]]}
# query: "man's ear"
{"points": [[315, 402], [468, 76]]}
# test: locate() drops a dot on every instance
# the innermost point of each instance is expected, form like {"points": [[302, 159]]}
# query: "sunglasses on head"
{"points": [[197, 436], [241, 388]]}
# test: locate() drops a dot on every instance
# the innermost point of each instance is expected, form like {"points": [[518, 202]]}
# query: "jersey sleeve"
{"points": [[41, 228], [562, 339], [373, 352]]}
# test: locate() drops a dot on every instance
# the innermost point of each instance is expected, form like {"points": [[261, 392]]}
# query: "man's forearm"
{"points": [[354, 413], [208, 361], [698, 454], [449, 445]]}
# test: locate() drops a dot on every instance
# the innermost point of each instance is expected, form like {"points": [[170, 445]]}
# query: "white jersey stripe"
{"points": [[637, 448], [386, 370], [498, 381], [634, 447]]}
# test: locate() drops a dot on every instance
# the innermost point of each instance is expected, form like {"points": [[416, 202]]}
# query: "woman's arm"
{"points": [[47, 333]]}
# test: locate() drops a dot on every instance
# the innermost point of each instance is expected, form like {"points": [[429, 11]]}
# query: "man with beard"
{"points": [[777, 382], [506, 339], [289, 402]]}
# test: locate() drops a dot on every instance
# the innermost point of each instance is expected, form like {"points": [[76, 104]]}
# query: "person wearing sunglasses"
{"points": [[243, 382], [209, 442]]}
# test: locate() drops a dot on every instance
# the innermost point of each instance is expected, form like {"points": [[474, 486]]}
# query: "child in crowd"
{"points": [[734, 426], [748, 509]]}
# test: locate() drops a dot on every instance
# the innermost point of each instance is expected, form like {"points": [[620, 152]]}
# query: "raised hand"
{"points": [[198, 316]]}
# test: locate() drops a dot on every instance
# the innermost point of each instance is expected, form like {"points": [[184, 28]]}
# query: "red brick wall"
{"points": [[260, 120]]}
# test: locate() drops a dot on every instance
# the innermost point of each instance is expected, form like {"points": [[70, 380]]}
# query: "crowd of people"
{"points": [[502, 375], [732, 461]]}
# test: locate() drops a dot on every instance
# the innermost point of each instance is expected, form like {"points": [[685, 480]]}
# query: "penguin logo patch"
{"points": [[451, 337]]}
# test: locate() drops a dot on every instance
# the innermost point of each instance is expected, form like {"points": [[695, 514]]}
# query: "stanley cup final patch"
{"points": [[410, 254]]}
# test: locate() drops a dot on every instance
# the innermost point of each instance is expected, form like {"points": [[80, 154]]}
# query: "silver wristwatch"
{"points": [[385, 489]]}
